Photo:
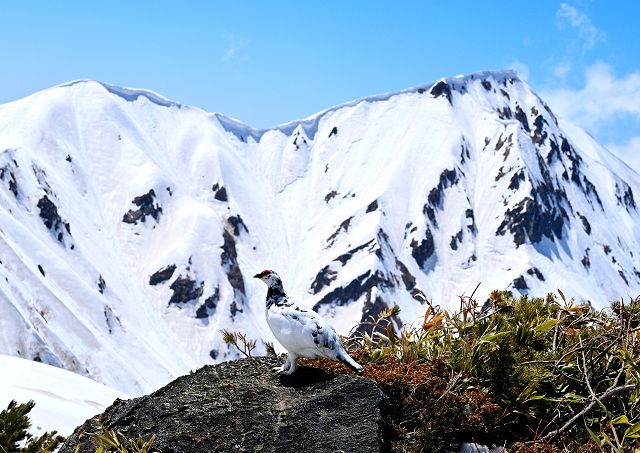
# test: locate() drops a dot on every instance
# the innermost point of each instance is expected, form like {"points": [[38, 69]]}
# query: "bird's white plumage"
{"points": [[302, 332], [298, 330]]}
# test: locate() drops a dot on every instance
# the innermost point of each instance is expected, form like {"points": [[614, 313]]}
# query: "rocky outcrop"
{"points": [[51, 218], [185, 289], [146, 207], [244, 406], [162, 275]]}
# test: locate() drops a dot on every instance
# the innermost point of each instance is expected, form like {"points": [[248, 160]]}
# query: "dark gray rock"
{"points": [[208, 308], [220, 193], [162, 275], [342, 295], [522, 117], [229, 262], [323, 279], [8, 174], [147, 207], [51, 218], [237, 224], [243, 406], [441, 89], [185, 289], [424, 250]]}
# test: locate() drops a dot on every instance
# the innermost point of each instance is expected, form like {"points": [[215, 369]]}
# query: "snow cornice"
{"points": [[310, 124]]}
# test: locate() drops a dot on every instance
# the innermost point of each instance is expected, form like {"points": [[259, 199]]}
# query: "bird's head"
{"points": [[270, 278]]}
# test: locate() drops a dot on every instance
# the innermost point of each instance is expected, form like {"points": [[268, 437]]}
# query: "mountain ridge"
{"points": [[288, 127], [132, 223]]}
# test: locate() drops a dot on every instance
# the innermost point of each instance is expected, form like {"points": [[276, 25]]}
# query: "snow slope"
{"points": [[131, 225], [63, 399]]}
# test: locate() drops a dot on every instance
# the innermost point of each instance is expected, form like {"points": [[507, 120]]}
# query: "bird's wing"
{"points": [[300, 330]]}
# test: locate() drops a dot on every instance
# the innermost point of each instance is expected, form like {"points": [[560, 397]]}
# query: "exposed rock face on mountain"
{"points": [[130, 225], [244, 406]]}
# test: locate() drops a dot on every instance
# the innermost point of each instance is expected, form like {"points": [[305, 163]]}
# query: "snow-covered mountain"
{"points": [[63, 399], [131, 225]]}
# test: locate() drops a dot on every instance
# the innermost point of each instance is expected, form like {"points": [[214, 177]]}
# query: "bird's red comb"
{"points": [[266, 271]]}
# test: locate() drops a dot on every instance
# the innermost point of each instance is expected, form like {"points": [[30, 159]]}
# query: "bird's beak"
{"points": [[256, 276]]}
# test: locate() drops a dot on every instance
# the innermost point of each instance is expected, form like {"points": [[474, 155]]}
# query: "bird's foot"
{"points": [[288, 371], [288, 367]]}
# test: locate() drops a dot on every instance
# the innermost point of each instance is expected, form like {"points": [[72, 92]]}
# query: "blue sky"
{"points": [[270, 62]]}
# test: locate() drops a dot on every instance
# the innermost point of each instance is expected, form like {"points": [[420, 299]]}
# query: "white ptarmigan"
{"points": [[303, 333]]}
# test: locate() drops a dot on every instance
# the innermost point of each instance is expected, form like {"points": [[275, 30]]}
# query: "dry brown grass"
{"points": [[427, 410]]}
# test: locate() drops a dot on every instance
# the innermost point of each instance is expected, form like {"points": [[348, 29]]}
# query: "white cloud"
{"points": [[521, 69], [602, 107], [588, 32], [629, 152], [562, 69], [603, 98]]}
